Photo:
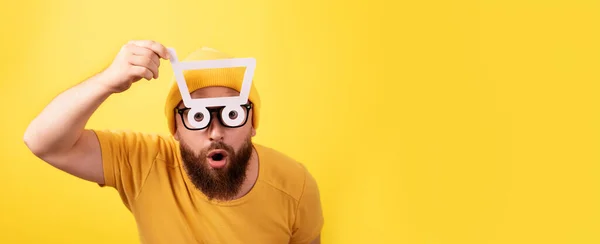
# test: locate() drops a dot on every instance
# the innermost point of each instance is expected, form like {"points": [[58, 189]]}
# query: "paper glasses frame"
{"points": [[200, 105]]}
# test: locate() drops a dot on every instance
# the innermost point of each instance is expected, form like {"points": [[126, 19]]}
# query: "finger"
{"points": [[154, 46], [155, 59], [145, 62], [142, 51], [141, 72]]}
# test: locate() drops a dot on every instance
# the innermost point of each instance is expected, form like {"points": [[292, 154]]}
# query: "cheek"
{"points": [[194, 139], [238, 137]]}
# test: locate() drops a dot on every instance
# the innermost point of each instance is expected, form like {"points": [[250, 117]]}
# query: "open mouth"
{"points": [[217, 158], [217, 155]]}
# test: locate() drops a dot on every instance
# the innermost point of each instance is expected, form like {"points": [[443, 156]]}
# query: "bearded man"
{"points": [[195, 185]]}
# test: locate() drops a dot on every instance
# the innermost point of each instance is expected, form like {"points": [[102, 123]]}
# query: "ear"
{"points": [[176, 135], [176, 121], [253, 131]]}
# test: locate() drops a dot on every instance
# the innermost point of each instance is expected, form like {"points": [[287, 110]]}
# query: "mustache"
{"points": [[217, 145]]}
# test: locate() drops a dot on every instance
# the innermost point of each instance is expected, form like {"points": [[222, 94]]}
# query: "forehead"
{"points": [[214, 91]]}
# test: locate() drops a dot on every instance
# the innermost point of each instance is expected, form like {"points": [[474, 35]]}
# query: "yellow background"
{"points": [[423, 121]]}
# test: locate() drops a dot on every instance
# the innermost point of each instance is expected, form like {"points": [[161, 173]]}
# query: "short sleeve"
{"points": [[127, 158], [309, 214]]}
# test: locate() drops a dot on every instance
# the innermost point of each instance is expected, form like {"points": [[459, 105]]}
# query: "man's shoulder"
{"points": [[282, 171]]}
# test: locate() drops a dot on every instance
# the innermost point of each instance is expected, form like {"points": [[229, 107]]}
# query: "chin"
{"points": [[217, 171]]}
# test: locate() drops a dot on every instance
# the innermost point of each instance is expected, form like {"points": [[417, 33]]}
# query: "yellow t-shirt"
{"points": [[146, 170]]}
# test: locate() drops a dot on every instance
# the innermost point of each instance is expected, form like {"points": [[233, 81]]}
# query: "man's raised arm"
{"points": [[58, 135]]}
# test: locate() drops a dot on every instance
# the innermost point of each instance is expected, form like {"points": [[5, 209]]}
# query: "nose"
{"points": [[215, 130]]}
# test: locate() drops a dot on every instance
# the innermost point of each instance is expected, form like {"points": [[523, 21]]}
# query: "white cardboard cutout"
{"points": [[199, 105]]}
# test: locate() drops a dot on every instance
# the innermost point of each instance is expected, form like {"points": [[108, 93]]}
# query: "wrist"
{"points": [[101, 83]]}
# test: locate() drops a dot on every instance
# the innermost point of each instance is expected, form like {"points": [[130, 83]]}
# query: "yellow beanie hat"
{"points": [[196, 79]]}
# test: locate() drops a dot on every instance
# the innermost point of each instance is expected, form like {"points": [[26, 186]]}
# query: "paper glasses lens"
{"points": [[198, 117], [233, 116]]}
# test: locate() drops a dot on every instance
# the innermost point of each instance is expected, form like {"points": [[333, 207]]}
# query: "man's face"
{"points": [[216, 157]]}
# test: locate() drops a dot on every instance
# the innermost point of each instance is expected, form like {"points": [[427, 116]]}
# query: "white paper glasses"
{"points": [[231, 111]]}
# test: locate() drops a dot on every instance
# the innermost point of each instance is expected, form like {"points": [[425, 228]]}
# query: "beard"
{"points": [[217, 183]]}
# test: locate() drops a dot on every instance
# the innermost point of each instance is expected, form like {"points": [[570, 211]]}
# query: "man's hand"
{"points": [[135, 60]]}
